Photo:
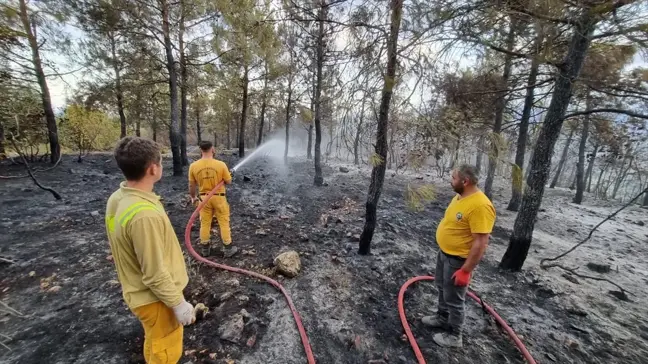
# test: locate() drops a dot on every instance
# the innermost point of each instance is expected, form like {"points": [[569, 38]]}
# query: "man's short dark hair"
{"points": [[466, 171], [205, 145], [134, 155]]}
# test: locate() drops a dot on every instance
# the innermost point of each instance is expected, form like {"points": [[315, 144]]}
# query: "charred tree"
{"points": [[321, 18], [50, 118], [246, 102], [520, 239], [380, 157], [494, 152], [563, 159], [580, 167], [523, 134], [174, 134]]}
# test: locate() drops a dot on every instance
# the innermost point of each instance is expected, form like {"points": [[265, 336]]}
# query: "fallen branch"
{"points": [[594, 229], [10, 310], [6, 347], [35, 170], [543, 262], [7, 260], [29, 171], [624, 292]]}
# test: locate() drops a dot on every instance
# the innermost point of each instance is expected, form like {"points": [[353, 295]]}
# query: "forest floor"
{"points": [[64, 285]]}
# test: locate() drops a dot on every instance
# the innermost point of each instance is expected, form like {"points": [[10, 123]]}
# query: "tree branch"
{"points": [[610, 110], [29, 171]]}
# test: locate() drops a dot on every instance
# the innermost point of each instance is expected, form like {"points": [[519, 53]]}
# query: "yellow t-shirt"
{"points": [[473, 214], [207, 173], [146, 251]]}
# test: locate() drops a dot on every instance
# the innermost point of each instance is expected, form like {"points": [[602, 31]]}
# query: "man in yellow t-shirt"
{"points": [[462, 236], [147, 255], [204, 175]]}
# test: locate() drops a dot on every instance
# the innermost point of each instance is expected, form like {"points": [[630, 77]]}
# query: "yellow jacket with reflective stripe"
{"points": [[146, 251]]}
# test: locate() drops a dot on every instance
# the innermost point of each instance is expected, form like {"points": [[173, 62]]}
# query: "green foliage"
{"points": [[417, 197], [375, 160], [87, 130]]}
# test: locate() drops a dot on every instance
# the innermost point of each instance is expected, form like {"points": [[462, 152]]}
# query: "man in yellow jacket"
{"points": [[147, 255], [204, 175], [462, 236]]}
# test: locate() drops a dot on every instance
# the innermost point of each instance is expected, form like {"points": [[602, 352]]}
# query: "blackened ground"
{"points": [[64, 284]]}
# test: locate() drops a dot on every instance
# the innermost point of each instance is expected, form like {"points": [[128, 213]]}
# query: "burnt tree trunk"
{"points": [[517, 185], [494, 152], [229, 134], [50, 118], [521, 237], [288, 106], [321, 18], [356, 140], [3, 152], [563, 159], [183, 87], [198, 127], [379, 166], [119, 92], [621, 177], [580, 167], [264, 105], [480, 154], [590, 168], [174, 134], [246, 101]]}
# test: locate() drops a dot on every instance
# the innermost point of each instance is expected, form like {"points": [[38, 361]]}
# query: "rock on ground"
{"points": [[288, 263]]}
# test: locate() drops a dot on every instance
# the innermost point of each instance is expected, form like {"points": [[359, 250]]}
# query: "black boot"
{"points": [[229, 250]]}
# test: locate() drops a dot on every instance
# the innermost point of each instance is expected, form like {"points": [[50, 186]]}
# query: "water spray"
{"points": [[266, 145]]}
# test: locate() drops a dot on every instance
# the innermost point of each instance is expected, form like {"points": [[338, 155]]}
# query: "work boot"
{"points": [[205, 250], [229, 250], [435, 322], [448, 340]]}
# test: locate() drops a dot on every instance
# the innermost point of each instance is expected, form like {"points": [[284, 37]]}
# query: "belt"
{"points": [[216, 194]]}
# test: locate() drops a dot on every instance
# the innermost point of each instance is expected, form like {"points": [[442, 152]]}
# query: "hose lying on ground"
{"points": [[410, 336], [300, 327]]}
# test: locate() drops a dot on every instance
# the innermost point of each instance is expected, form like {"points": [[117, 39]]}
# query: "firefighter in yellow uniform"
{"points": [[205, 174], [146, 252]]}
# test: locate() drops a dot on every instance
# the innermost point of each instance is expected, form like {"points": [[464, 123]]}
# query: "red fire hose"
{"points": [[410, 336], [300, 327]]}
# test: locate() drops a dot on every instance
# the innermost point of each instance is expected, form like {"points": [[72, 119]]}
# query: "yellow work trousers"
{"points": [[218, 207], [162, 333]]}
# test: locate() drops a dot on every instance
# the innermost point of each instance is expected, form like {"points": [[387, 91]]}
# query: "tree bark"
{"points": [[590, 168], [229, 133], [174, 134], [517, 185], [321, 18], [198, 127], [645, 200], [379, 166], [480, 154], [563, 159], [621, 177], [50, 118], [241, 136], [521, 237], [356, 140], [262, 122], [288, 106], [600, 179], [580, 167], [119, 92], [494, 153], [3, 152], [183, 86]]}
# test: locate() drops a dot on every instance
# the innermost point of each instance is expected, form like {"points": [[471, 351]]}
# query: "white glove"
{"points": [[184, 313]]}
